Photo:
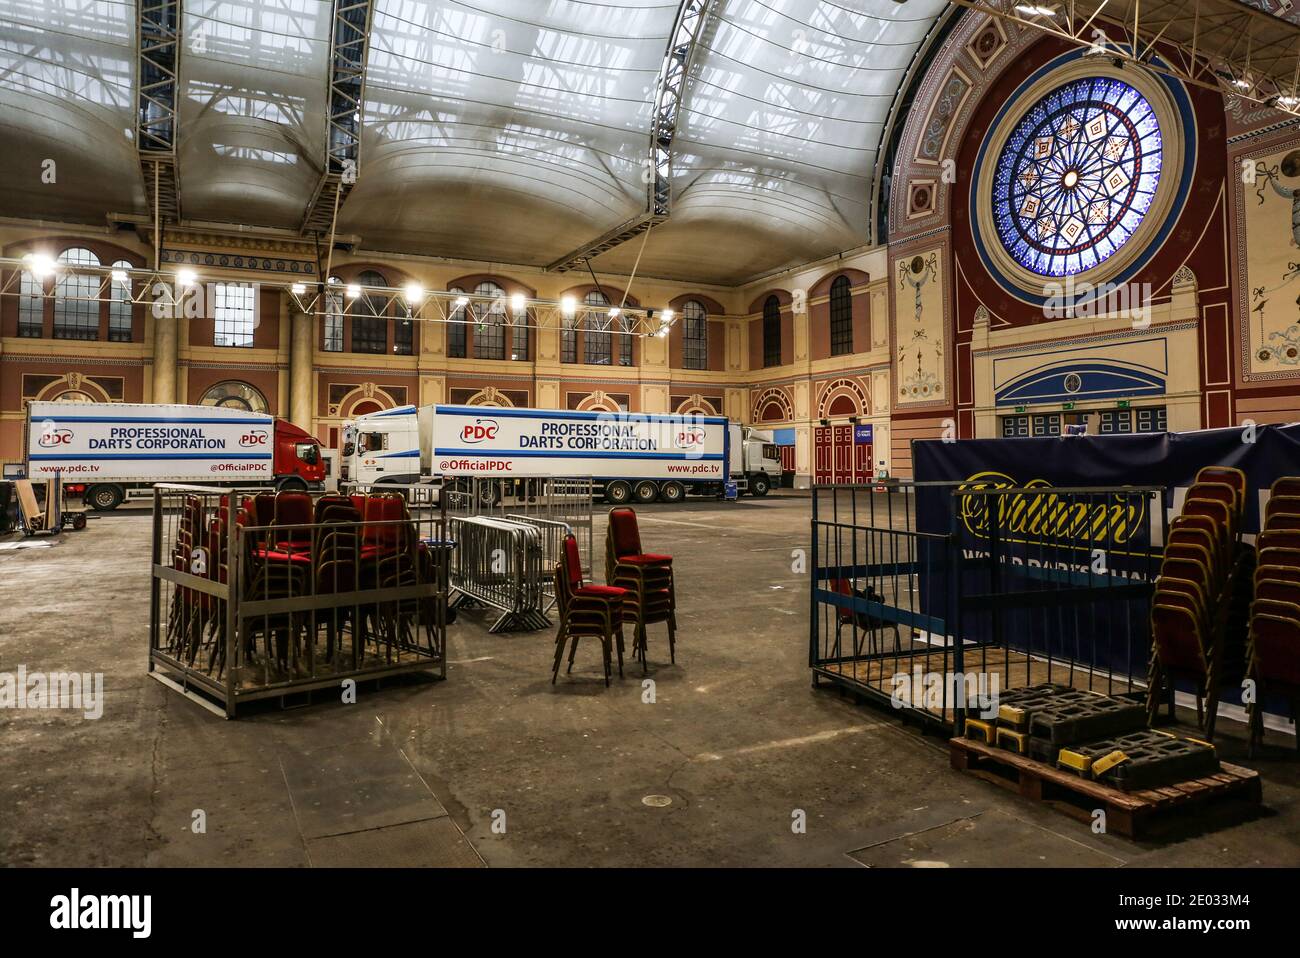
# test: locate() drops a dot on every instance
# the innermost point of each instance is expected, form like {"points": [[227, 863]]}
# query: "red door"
{"points": [[822, 455], [843, 453]]}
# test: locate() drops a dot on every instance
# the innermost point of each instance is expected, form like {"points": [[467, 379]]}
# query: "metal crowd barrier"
{"points": [[549, 499], [281, 604], [499, 563]]}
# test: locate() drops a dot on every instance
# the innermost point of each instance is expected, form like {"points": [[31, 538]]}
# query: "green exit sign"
{"points": [[1123, 404], [1021, 408], [1067, 405]]}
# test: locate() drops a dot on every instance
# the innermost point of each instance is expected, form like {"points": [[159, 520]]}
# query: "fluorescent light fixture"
{"points": [[353, 291], [518, 302], [186, 277], [462, 302], [1035, 10], [412, 292], [1288, 101], [298, 289], [568, 305], [119, 276]]}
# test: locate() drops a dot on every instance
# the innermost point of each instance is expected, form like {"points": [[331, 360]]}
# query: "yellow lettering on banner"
{"points": [[1047, 515]]}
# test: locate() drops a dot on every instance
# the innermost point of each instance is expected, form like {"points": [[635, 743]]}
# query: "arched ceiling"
{"points": [[491, 129]]}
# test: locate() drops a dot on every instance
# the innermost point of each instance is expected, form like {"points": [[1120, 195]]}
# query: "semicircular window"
{"points": [[1076, 176]]}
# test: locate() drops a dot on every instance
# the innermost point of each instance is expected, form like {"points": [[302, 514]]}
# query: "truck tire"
{"points": [[672, 492], [104, 498], [645, 492], [759, 485], [489, 494], [618, 492], [291, 484]]}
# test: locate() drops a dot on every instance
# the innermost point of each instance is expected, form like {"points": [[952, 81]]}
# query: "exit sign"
{"points": [[1123, 404], [1021, 408], [1067, 405]]}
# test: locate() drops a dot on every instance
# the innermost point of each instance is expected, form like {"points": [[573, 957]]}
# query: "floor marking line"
{"points": [[812, 739]]}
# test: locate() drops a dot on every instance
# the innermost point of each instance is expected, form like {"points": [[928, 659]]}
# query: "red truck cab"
{"points": [[297, 453]]}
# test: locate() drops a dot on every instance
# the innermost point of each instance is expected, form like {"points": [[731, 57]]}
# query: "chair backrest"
{"points": [[1276, 642], [1228, 475], [1276, 504], [293, 509], [329, 500], [1192, 570], [624, 535], [263, 509], [1278, 556], [1214, 509], [1176, 633], [1190, 550], [1216, 491], [1277, 590], [390, 510], [1189, 587], [1283, 521], [1286, 486], [572, 563]]}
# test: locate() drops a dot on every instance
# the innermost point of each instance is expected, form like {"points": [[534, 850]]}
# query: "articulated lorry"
{"points": [[110, 452], [630, 456]]}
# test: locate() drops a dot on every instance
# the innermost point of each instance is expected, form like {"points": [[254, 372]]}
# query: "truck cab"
{"points": [[297, 457], [382, 447], [760, 461]]}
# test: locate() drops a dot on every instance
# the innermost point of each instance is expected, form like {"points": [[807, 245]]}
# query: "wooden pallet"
{"points": [[1132, 814]]}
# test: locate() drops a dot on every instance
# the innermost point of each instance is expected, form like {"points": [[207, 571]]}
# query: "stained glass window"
{"points": [[1076, 176]]}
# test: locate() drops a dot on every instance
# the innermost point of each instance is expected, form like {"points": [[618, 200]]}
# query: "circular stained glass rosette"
{"points": [[1076, 176]]}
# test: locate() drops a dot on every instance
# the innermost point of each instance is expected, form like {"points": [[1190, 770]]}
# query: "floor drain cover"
{"points": [[657, 801]]}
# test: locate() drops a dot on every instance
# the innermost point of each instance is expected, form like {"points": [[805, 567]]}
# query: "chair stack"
{"points": [[647, 577], [1192, 603], [1273, 643], [586, 611]]}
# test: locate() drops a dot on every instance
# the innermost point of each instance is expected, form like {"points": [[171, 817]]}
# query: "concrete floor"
{"points": [[419, 773]]}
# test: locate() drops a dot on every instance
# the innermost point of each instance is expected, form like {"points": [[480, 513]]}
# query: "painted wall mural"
{"points": [[1271, 327], [919, 314]]}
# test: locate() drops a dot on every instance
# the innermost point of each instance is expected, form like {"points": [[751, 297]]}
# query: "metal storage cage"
{"points": [[260, 595], [925, 596]]}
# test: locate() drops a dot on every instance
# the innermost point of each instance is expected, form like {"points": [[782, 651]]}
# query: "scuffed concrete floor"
{"points": [[496, 766]]}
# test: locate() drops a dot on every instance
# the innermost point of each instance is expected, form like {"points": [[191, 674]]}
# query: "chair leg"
{"points": [[619, 634], [573, 650], [559, 653], [672, 638]]}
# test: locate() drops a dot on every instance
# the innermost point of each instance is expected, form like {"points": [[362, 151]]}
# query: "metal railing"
{"points": [[499, 563], [925, 593], [260, 595]]}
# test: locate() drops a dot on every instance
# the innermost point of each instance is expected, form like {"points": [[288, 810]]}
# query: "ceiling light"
{"points": [[119, 276], [613, 312], [1035, 10], [1241, 84], [1288, 101], [413, 292], [667, 315], [353, 291], [568, 305], [40, 264], [462, 302], [187, 277], [518, 302], [298, 289]]}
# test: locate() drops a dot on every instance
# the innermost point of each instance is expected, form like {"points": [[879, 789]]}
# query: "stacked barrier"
{"points": [[499, 563]]}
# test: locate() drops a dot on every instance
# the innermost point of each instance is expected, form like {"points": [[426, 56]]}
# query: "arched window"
{"points": [[695, 335], [76, 298], [841, 317], [490, 325], [333, 339], [598, 343], [31, 307], [235, 395], [772, 332], [369, 325], [73, 395], [119, 305], [456, 328]]}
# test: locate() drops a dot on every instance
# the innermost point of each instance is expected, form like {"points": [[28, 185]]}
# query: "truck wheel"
{"points": [[672, 492], [489, 494], [618, 492], [104, 498], [646, 492], [291, 484], [759, 485]]}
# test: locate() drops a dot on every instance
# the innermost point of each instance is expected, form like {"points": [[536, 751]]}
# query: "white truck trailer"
{"points": [[115, 451], [630, 456]]}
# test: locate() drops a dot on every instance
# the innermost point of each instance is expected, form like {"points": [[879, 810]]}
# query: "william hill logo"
{"points": [[1051, 516]]}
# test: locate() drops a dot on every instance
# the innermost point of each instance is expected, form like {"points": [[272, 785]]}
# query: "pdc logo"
{"points": [[690, 438], [53, 438], [254, 439], [480, 430]]}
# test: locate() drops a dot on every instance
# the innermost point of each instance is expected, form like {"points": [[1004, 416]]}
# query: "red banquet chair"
{"points": [[647, 577], [1286, 486], [586, 610], [1179, 651], [1273, 661], [1227, 475]]}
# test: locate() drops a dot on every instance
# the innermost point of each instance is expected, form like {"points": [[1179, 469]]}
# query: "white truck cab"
{"points": [[382, 447]]}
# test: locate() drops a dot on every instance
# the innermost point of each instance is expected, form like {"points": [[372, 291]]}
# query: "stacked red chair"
{"points": [[1273, 643], [594, 611], [1192, 605], [647, 577]]}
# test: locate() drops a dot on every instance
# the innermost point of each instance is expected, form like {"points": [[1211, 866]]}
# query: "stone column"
{"points": [[165, 355], [302, 340]]}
